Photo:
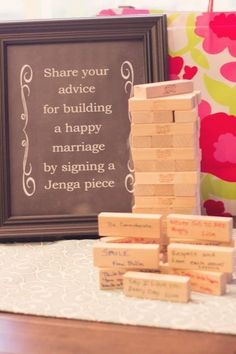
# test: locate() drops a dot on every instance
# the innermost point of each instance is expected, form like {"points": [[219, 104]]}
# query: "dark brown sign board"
{"points": [[65, 126]]}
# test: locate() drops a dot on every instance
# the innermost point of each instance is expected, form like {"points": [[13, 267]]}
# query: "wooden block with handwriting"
{"points": [[111, 239], [200, 227], [120, 255], [186, 116], [129, 224], [156, 286], [111, 278], [201, 242], [164, 153], [185, 101], [164, 88], [187, 165], [140, 117], [167, 129], [172, 202], [212, 283], [166, 178], [199, 257]]}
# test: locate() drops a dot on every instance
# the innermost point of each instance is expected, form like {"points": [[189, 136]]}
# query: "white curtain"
{"points": [[31, 9]]}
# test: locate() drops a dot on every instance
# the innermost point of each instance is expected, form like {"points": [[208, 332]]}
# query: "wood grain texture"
{"points": [[21, 334]]}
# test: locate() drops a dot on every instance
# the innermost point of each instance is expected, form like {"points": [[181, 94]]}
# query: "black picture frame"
{"points": [[143, 37]]}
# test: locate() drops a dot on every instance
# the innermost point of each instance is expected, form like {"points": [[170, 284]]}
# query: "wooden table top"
{"points": [[20, 334]]}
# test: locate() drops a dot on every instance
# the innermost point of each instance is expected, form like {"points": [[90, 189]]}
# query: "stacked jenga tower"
{"points": [[165, 147], [201, 255]]}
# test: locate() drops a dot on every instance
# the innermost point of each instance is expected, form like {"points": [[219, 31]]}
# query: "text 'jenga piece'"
{"points": [[156, 286], [199, 257], [186, 101], [128, 224], [120, 255], [200, 227], [162, 89]]}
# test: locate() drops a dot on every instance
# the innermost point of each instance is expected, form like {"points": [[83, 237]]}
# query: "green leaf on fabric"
{"points": [[221, 93], [200, 58], [212, 186]]}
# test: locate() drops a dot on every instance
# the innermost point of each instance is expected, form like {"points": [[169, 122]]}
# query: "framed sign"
{"points": [[65, 127]]}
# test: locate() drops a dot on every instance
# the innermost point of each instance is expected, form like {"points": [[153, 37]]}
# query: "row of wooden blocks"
{"points": [[165, 147], [129, 255]]}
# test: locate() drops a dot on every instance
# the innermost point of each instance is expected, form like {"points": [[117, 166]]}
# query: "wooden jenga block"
{"points": [[154, 165], [111, 278], [141, 141], [177, 190], [184, 140], [156, 286], [154, 189], [186, 190], [199, 257], [120, 255], [166, 178], [201, 242], [141, 117], [177, 102], [111, 239], [186, 116], [212, 283], [165, 88], [162, 141], [187, 165], [200, 227], [172, 202], [164, 153], [167, 129], [165, 211], [129, 225]]}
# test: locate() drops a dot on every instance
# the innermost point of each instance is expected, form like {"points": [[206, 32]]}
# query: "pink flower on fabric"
{"points": [[215, 208], [218, 31], [204, 109], [177, 69], [218, 144]]}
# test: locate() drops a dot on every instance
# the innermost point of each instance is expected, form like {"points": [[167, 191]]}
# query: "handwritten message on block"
{"points": [[212, 283], [200, 227], [111, 278], [137, 256], [113, 239], [128, 224], [178, 102], [167, 88], [157, 286], [199, 257]]}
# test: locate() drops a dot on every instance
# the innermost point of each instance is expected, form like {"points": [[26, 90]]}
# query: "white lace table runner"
{"points": [[58, 279]]}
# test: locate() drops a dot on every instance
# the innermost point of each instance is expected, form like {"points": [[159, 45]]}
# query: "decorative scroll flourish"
{"points": [[28, 181], [127, 73]]}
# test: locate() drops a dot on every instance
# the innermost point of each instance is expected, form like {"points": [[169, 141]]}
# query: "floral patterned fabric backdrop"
{"points": [[202, 47]]}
